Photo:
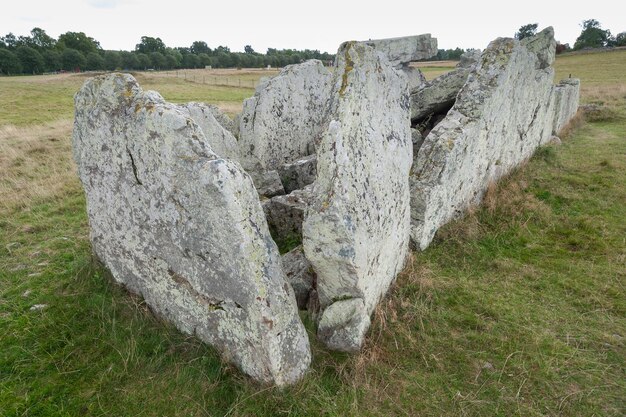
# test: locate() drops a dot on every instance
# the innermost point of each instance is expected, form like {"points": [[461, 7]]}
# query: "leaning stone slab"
{"points": [[415, 76], [222, 141], [183, 227], [439, 94], [356, 231], [285, 117], [405, 49], [501, 115], [566, 97]]}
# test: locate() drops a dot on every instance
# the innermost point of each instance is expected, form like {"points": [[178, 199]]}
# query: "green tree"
{"points": [[158, 60], [149, 45], [200, 47], [205, 60], [144, 61], [41, 40], [72, 60], [31, 60], [129, 60], [78, 41], [94, 62], [112, 60], [526, 31], [191, 61], [9, 63], [620, 39], [53, 59], [248, 49], [10, 41], [174, 58], [592, 36]]}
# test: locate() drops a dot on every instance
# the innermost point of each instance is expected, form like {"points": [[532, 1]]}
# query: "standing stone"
{"points": [[184, 228], [285, 117], [405, 49], [221, 141], [566, 96], [356, 231], [299, 274], [501, 115]]}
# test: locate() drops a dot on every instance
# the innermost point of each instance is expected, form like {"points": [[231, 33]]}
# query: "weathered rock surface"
{"points": [[405, 49], [415, 77], [184, 228], [343, 325], [223, 119], [439, 94], [285, 117], [298, 174], [267, 183], [355, 233], [221, 141], [285, 214], [566, 97], [299, 274], [501, 115]]}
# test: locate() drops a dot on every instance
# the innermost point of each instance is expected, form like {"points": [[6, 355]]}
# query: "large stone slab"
{"points": [[184, 228], [285, 117], [405, 49], [566, 97], [299, 173], [355, 233], [440, 93], [501, 115], [221, 140]]}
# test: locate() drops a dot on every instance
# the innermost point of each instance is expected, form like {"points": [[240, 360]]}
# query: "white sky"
{"points": [[314, 24]]}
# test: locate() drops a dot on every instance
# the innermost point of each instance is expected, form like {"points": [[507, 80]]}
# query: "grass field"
{"points": [[517, 309]]}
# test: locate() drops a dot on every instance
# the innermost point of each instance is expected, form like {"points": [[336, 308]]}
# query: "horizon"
{"points": [[280, 28]]}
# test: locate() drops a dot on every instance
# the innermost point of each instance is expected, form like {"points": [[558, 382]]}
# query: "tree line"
{"points": [[75, 51], [592, 36]]}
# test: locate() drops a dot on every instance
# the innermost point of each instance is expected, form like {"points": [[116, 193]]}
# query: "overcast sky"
{"points": [[314, 24]]}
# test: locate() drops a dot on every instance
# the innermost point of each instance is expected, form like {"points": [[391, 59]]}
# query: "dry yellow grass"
{"points": [[35, 164]]}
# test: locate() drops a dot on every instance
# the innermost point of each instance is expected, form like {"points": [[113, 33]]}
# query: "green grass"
{"points": [[517, 309]]}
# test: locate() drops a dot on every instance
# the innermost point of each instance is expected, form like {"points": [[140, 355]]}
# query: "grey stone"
{"points": [[440, 94], [405, 49], [285, 214], [417, 140], [355, 233], [299, 274], [285, 117], [343, 325], [501, 115], [298, 174], [222, 142], [267, 183], [415, 76], [184, 228], [566, 97]]}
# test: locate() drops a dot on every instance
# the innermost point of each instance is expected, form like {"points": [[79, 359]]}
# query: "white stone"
{"points": [[184, 228], [501, 115], [356, 231], [221, 141], [566, 97], [285, 117], [405, 49], [344, 324]]}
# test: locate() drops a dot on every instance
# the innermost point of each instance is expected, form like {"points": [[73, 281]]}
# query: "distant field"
{"points": [[517, 309]]}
